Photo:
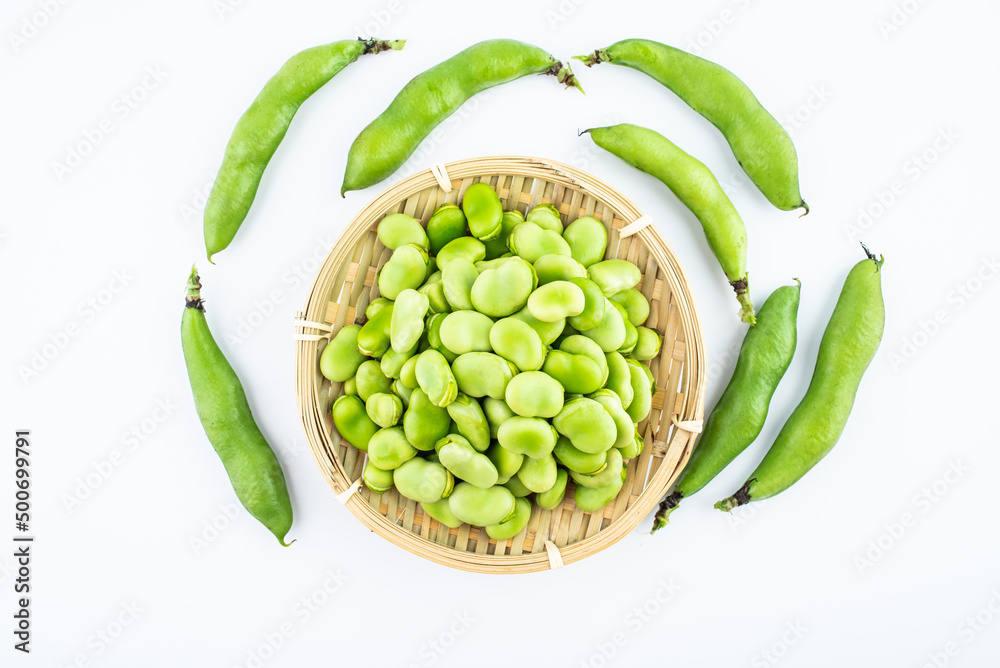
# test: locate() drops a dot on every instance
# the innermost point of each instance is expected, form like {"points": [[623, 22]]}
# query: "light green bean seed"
{"points": [[458, 456], [635, 304], [385, 409], [407, 322], [375, 306], [370, 379], [458, 277], [392, 362], [341, 358], [587, 425], [398, 229], [351, 386], [447, 223], [498, 247], [631, 333], [533, 437], [470, 421], [614, 275], [538, 475], [435, 377], [376, 479], [514, 525], [497, 412], [503, 291], [587, 239], [558, 268], [532, 242], [534, 394], [423, 481], [648, 344], [546, 217], [436, 298], [633, 449], [506, 462], [441, 511], [470, 248], [610, 333], [611, 472], [483, 374], [577, 344], [408, 374], [578, 374], [517, 487], [593, 499], [552, 498], [373, 339], [403, 392], [406, 268], [593, 306], [555, 301], [517, 342], [548, 332], [620, 378], [434, 336], [483, 211], [481, 507], [623, 422], [577, 460], [352, 421], [388, 448], [466, 332], [642, 398], [424, 424]]}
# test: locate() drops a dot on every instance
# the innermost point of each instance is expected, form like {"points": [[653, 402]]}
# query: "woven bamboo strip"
{"points": [[346, 284]]}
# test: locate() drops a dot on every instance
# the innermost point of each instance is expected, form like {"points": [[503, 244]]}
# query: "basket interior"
{"points": [[347, 284]]}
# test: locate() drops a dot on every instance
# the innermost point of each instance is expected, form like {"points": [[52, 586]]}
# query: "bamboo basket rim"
{"points": [[676, 440]]}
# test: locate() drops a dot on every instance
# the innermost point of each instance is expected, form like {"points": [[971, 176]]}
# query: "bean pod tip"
{"points": [[667, 506], [741, 497], [380, 45], [565, 76], [595, 58], [192, 296]]}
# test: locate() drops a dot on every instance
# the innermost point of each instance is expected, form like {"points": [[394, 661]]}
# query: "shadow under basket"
{"points": [[346, 284]]}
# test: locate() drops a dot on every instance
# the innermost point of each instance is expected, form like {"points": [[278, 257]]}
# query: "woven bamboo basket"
{"points": [[346, 284]]}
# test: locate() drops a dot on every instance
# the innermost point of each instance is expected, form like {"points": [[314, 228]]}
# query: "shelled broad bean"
{"points": [[509, 374]]}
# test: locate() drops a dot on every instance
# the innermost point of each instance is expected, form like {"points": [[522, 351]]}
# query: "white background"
{"points": [[830, 558]]}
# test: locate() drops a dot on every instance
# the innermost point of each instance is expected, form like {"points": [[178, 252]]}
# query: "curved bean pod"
{"points": [[262, 127], [814, 427], [432, 96], [739, 415], [759, 142], [254, 470], [695, 186]]}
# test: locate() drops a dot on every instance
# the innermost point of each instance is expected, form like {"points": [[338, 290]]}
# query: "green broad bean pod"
{"points": [[253, 469], [848, 345], [697, 188], [738, 417], [432, 96], [260, 130], [760, 144]]}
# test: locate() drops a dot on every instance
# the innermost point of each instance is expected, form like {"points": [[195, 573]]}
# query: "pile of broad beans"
{"points": [[502, 358]]}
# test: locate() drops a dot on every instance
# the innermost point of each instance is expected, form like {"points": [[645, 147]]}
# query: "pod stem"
{"points": [[747, 313], [741, 497], [595, 58], [565, 76], [380, 45], [192, 295], [667, 506], [805, 206]]}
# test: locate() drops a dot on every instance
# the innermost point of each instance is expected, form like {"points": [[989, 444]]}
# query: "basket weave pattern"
{"points": [[346, 284]]}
